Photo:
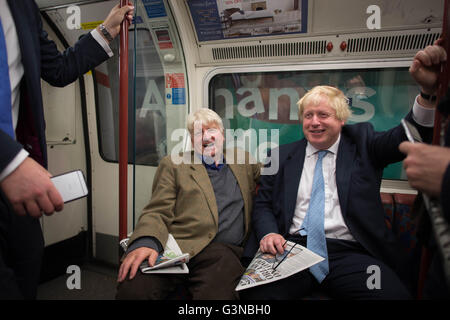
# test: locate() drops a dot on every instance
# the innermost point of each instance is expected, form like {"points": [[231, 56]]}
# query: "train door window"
{"points": [[157, 90], [146, 93], [157, 97], [260, 107]]}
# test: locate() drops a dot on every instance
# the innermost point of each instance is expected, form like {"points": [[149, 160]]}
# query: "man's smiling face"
{"points": [[320, 125], [207, 139]]}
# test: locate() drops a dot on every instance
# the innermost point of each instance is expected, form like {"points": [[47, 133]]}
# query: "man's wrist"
{"points": [[425, 102], [423, 113], [427, 96], [14, 164], [102, 41], [148, 242], [103, 30], [268, 235]]}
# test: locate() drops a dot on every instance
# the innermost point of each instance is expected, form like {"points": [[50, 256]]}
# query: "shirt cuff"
{"points": [[149, 242], [423, 116], [17, 161], [101, 41]]}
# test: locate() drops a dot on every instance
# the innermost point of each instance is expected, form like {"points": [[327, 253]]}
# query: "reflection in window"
{"points": [[259, 105], [150, 117]]}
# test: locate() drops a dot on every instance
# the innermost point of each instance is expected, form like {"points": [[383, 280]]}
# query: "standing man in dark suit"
{"points": [[326, 196], [428, 170], [26, 191]]}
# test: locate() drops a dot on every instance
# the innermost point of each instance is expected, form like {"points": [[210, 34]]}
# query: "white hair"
{"points": [[205, 116]]}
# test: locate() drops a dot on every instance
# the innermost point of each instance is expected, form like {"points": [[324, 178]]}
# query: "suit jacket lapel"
{"points": [[24, 35], [31, 118], [344, 161], [292, 174]]}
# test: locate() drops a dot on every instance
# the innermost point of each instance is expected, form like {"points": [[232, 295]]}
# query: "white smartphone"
{"points": [[71, 185], [411, 131]]}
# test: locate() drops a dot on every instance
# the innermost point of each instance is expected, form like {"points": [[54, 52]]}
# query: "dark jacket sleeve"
{"points": [[62, 68], [383, 146], [149, 242], [10, 149], [42, 59]]}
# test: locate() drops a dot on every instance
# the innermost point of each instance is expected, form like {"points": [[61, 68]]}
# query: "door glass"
{"points": [[157, 97]]}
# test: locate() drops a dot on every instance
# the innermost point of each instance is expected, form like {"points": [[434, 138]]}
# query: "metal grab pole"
{"points": [[123, 127]]}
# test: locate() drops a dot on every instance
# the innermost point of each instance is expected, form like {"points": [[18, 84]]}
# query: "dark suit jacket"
{"points": [[444, 108], [362, 155], [41, 59]]}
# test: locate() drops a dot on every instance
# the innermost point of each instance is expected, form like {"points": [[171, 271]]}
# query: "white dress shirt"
{"points": [[335, 226], [16, 72]]}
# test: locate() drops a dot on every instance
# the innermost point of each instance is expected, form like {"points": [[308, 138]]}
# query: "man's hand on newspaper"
{"points": [[134, 259], [272, 243]]}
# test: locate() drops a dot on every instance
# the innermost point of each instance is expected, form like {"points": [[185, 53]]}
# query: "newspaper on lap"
{"points": [[266, 267], [172, 260]]}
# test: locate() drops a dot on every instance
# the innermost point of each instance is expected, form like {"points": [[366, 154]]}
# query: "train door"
{"points": [[157, 105]]}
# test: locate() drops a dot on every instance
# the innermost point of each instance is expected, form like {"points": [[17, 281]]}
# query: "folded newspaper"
{"points": [[266, 267], [172, 260]]}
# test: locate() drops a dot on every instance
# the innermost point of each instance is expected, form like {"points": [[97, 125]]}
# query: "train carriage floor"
{"points": [[95, 282]]}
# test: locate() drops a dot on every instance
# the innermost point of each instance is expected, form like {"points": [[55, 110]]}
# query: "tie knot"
{"points": [[321, 154]]}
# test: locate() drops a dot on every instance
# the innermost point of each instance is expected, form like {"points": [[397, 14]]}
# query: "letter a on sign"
{"points": [[374, 20], [73, 21]]}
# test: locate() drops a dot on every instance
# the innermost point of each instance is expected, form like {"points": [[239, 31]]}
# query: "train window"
{"points": [[261, 110], [146, 93]]}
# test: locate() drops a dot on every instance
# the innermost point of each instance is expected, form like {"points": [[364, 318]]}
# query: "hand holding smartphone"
{"points": [[411, 131], [71, 185]]}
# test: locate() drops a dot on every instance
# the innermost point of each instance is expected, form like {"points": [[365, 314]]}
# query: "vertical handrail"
{"points": [[444, 41], [123, 126], [133, 221]]}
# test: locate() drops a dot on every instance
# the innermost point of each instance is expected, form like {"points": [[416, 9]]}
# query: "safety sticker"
{"points": [[154, 8]]}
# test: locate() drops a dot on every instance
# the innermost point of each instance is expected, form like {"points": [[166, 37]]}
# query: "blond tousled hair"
{"points": [[336, 98]]}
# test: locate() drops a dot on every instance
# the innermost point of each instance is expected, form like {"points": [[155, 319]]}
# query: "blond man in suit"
{"points": [[205, 202]]}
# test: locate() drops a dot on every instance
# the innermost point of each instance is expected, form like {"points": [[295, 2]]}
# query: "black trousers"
{"points": [[213, 275], [436, 286], [347, 279], [21, 249]]}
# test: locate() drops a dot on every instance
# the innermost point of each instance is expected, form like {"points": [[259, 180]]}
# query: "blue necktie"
{"points": [[314, 221], [5, 89]]}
